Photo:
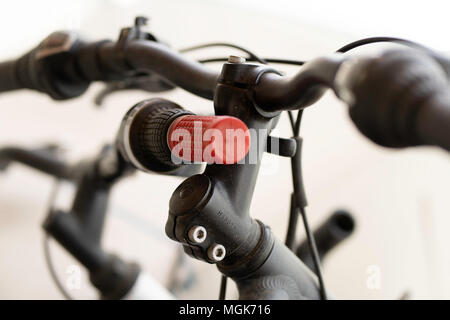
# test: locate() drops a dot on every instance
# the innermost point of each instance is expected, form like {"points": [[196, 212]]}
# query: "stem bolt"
{"points": [[197, 234], [216, 252], [236, 59]]}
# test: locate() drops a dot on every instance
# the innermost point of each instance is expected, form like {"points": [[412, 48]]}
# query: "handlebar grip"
{"points": [[51, 68], [211, 139], [399, 99], [23, 73], [8, 77], [434, 121]]}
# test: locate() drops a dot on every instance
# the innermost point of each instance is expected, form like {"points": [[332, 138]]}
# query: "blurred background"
{"points": [[400, 199]]}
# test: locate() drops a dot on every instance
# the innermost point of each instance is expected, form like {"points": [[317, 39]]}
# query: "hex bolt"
{"points": [[197, 234], [216, 252], [236, 59]]}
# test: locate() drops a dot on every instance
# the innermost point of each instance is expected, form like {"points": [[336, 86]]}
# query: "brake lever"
{"points": [[149, 82]]}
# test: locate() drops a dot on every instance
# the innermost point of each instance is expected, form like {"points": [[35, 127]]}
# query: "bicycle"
{"points": [[209, 211]]}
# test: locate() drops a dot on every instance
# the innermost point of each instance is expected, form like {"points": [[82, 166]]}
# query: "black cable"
{"points": [[46, 243], [366, 41], [293, 214], [298, 206], [297, 123], [223, 287], [290, 235], [291, 119], [314, 253], [292, 224], [296, 131], [224, 44], [51, 269], [346, 48], [285, 61], [268, 60]]}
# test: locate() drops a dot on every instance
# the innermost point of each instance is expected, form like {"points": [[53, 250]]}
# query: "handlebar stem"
{"points": [[219, 200]]}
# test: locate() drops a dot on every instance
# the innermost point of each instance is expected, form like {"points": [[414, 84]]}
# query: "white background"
{"points": [[400, 198]]}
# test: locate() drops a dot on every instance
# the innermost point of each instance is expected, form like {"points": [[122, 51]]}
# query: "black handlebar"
{"points": [[51, 68], [188, 74], [63, 67], [276, 93]]}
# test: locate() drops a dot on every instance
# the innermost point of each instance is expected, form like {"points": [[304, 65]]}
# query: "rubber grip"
{"points": [[153, 141], [211, 139], [20, 74], [400, 99], [8, 77]]}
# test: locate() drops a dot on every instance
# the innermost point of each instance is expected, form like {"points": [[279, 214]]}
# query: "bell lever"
{"points": [[283, 147]]}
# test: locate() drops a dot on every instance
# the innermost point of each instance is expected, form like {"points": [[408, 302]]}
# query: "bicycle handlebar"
{"points": [[393, 100], [188, 74], [277, 93], [69, 67], [63, 67]]}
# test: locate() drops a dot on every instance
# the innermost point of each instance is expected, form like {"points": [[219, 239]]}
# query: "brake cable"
{"points": [[251, 55], [46, 244], [268, 60], [370, 40]]}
